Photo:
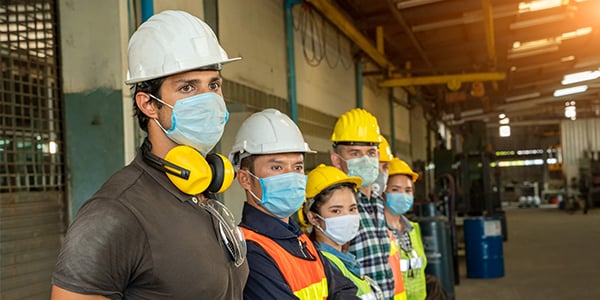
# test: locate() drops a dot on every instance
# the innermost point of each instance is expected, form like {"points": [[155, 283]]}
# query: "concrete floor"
{"points": [[549, 254]]}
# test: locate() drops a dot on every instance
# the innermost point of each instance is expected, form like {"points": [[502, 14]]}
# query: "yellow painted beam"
{"points": [[380, 45], [442, 79], [341, 22]]}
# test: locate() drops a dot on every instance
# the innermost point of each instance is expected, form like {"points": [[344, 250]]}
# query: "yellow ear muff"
{"points": [[223, 173], [193, 164]]}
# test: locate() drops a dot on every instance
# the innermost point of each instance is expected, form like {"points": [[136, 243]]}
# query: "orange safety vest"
{"points": [[394, 261], [305, 277]]}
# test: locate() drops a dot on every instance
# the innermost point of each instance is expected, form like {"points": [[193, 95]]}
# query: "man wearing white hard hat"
{"points": [[153, 230], [284, 263]]}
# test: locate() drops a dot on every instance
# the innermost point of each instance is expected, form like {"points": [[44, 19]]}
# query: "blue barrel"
{"points": [[483, 247]]}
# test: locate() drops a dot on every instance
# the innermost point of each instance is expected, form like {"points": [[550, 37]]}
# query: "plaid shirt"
{"points": [[372, 244]]}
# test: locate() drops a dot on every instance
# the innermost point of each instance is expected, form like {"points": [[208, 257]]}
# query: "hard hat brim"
{"points": [[357, 181], [142, 79]]}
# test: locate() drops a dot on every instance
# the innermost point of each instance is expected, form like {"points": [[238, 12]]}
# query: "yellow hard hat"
{"points": [[356, 125], [399, 167], [324, 176], [385, 151]]}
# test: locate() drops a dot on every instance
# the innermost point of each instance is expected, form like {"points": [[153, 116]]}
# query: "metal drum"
{"points": [[435, 234], [483, 247]]}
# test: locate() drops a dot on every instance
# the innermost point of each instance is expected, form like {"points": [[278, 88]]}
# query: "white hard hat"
{"points": [[267, 132], [172, 42]]}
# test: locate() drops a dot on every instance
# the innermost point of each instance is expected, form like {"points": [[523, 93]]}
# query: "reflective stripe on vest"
{"points": [[416, 285], [306, 278], [364, 289], [394, 261]]}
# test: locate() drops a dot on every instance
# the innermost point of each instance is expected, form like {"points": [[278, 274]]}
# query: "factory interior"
{"points": [[494, 103]]}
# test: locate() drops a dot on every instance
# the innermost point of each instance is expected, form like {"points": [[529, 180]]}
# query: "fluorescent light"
{"points": [[567, 58], [538, 5], [520, 54], [581, 76], [504, 121], [537, 21], [505, 130], [571, 90], [573, 34], [535, 44]]}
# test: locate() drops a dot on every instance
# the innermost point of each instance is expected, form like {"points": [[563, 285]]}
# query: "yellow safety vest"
{"points": [[365, 291], [413, 266]]}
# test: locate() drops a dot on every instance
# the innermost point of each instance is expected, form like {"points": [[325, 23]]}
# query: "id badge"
{"points": [[404, 264]]}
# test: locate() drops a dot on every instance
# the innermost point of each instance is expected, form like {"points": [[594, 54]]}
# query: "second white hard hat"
{"points": [[172, 42], [267, 132]]}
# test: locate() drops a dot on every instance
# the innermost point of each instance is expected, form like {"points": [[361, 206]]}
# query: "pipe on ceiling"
{"points": [[359, 84], [291, 58], [147, 9]]}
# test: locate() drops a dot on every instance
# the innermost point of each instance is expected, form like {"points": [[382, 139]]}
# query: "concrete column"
{"points": [[98, 122]]}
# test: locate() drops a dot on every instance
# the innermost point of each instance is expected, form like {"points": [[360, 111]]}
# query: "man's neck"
{"points": [[366, 190]]}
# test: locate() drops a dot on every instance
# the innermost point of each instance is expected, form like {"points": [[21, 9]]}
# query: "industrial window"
{"points": [[30, 120]]}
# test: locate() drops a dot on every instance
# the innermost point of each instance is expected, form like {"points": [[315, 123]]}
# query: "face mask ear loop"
{"points": [[322, 219], [161, 101], [254, 196], [259, 201], [319, 226], [161, 127]]}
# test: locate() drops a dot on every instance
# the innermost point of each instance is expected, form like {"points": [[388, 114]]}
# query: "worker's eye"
{"points": [[215, 85]]}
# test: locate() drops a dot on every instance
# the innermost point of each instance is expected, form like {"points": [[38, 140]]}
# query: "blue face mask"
{"points": [[399, 203], [283, 194], [197, 121], [365, 167]]}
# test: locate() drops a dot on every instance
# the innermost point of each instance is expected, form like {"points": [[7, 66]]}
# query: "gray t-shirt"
{"points": [[139, 237]]}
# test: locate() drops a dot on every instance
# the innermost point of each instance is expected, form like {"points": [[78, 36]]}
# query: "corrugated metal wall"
{"points": [[579, 139], [31, 173]]}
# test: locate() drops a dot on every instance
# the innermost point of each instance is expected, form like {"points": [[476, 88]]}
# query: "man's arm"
{"points": [[101, 248], [62, 294]]}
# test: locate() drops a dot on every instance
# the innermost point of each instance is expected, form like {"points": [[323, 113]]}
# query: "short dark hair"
{"points": [[247, 163], [152, 87]]}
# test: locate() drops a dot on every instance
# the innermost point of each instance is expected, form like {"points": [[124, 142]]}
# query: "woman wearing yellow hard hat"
{"points": [[399, 198], [332, 212]]}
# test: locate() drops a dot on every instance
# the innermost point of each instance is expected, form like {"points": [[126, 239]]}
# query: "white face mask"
{"points": [[341, 229]]}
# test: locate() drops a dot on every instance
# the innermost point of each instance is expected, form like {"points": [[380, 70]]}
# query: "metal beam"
{"points": [[488, 20], [345, 26], [442, 79], [413, 39]]}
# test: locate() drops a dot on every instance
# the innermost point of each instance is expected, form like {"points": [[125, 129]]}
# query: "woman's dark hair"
{"points": [[152, 87]]}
